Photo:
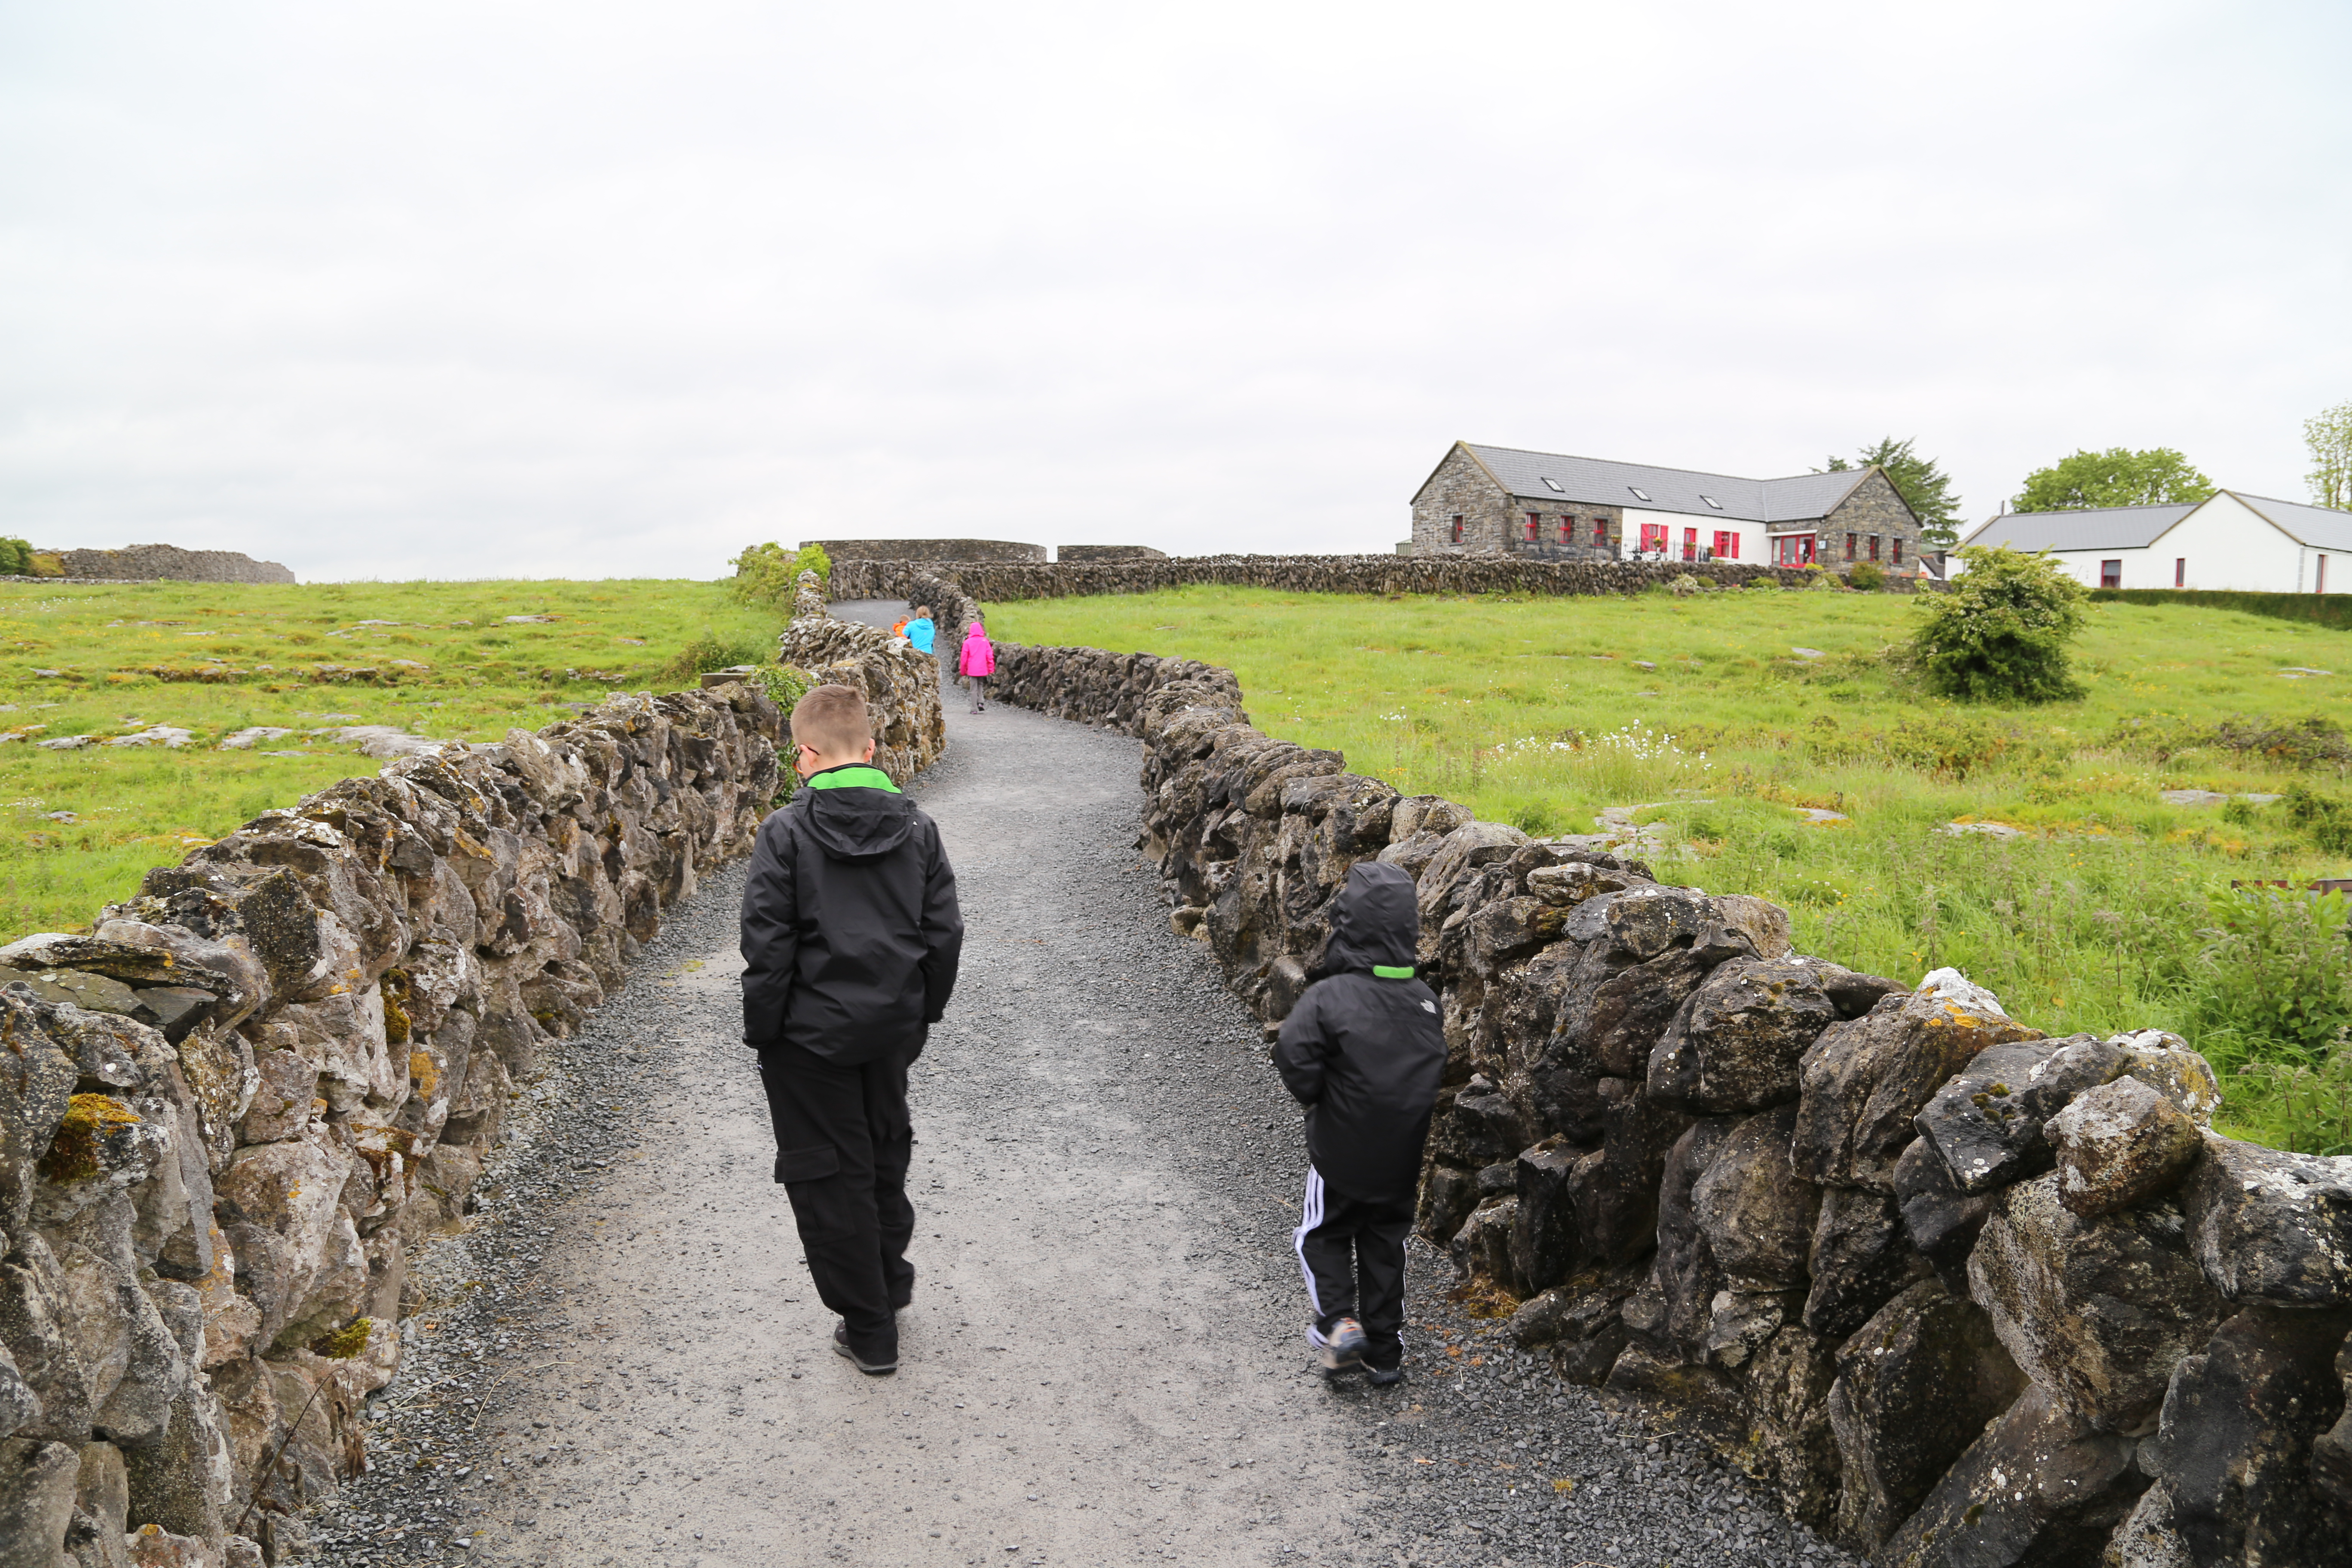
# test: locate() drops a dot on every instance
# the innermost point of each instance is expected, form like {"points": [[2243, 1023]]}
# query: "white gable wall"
{"points": [[2229, 545], [1751, 534]]}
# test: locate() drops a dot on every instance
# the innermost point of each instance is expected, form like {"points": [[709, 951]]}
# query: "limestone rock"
{"points": [[1987, 1121], [1741, 926], [37, 1501], [2331, 1452], [1941, 1222], [1860, 1259], [1916, 1386], [1733, 1047], [2164, 1062], [1545, 1246], [1569, 885], [1481, 1250], [2233, 1447], [2119, 1145], [2099, 1312], [1684, 1273], [2146, 1538], [1758, 1221], [1787, 1385], [1613, 1013], [2272, 1227], [1615, 1188], [1640, 923], [1865, 1080], [2041, 1486]]}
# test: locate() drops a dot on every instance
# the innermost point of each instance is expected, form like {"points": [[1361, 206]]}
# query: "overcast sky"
{"points": [[590, 289]]}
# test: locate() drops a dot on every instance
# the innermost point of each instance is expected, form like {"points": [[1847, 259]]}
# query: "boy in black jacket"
{"points": [[1363, 1051], [850, 936]]}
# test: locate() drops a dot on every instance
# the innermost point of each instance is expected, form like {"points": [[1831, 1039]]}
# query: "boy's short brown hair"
{"points": [[832, 719]]}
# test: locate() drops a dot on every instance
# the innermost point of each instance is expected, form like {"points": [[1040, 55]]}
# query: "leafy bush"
{"points": [[2000, 634], [15, 558], [1867, 575], [812, 558], [2324, 820], [2306, 743], [710, 651]]}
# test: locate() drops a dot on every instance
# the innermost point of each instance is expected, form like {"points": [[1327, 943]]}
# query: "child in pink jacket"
{"points": [[976, 663]]}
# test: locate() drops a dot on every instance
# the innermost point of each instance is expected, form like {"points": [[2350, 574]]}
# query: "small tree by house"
{"points": [[2000, 634]]}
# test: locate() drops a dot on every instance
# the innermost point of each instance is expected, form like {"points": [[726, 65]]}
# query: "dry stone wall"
{"points": [[146, 562], [1961, 1293], [230, 1113], [991, 583]]}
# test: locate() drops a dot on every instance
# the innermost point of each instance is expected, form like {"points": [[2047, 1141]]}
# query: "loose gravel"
{"points": [[621, 1361]]}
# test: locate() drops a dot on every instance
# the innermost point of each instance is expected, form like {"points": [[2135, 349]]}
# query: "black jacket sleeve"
{"points": [[770, 938], [942, 933], [1303, 1050]]}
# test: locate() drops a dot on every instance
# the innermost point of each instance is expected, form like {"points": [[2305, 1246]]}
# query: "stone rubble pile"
{"points": [[1962, 1294], [228, 1114]]}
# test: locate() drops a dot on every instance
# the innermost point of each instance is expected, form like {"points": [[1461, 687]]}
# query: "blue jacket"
{"points": [[919, 631]]}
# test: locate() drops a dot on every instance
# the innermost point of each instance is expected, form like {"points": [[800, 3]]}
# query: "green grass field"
{"points": [[2108, 910], [440, 660]]}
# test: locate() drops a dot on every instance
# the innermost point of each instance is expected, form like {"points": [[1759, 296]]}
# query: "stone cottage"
{"points": [[1489, 500]]}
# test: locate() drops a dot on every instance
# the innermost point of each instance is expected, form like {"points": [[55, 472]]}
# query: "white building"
{"points": [[2232, 540]]}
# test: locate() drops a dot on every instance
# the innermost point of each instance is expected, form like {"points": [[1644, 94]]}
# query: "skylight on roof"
{"points": [[1639, 491], [1556, 485], [1713, 502]]}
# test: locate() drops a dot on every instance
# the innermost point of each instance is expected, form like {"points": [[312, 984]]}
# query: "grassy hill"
{"points": [[446, 660], [2070, 886]]}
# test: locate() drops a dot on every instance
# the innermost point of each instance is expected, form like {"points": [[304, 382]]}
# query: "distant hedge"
{"points": [[2328, 609]]}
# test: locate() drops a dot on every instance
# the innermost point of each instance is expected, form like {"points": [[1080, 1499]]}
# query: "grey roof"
{"points": [[2316, 526], [1596, 482], [2088, 527]]}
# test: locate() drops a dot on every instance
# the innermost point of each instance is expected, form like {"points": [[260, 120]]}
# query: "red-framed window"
{"points": [[1567, 530], [1726, 544], [2111, 574], [1653, 537], [2180, 572], [1874, 547], [1849, 546], [1600, 531], [1898, 550], [1795, 550], [1457, 528], [1535, 526], [1690, 543]]}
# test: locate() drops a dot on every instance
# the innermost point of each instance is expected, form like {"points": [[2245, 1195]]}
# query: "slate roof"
{"points": [[1596, 482], [2316, 526], [2137, 527], [2087, 528]]}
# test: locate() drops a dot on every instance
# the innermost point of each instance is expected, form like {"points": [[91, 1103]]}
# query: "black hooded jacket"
{"points": [[851, 931], [1364, 1048]]}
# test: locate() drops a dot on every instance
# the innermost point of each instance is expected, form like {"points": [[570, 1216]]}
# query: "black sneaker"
{"points": [[1342, 1348], [1381, 1376], [870, 1368]]}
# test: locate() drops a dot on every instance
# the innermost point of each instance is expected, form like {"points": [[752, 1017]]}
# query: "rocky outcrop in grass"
{"points": [[1963, 1294], [229, 1112]]}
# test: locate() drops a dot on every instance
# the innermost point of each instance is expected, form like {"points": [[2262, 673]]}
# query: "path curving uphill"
{"points": [[1103, 1360]]}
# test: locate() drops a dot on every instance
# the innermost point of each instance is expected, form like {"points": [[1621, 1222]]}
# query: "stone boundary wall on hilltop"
{"points": [[1962, 1294], [228, 1114], [149, 563], [902, 551], [993, 582]]}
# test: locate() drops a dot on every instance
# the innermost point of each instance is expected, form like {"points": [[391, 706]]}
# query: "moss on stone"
{"points": [[344, 1343], [73, 1152]]}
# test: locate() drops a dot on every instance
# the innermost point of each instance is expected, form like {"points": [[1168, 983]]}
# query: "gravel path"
{"points": [[625, 1363]]}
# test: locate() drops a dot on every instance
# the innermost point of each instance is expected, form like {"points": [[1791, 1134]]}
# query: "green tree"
{"points": [[2117, 477], [15, 558], [2329, 436], [2000, 634], [1918, 480]]}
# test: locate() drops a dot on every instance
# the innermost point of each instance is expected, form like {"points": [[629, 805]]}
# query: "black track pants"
{"points": [[1352, 1252], [843, 1141]]}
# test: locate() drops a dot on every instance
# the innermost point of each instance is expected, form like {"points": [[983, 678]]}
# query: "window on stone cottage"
{"points": [[1898, 549], [1566, 530], [1600, 531], [1457, 528], [1849, 546], [1535, 522], [1874, 547]]}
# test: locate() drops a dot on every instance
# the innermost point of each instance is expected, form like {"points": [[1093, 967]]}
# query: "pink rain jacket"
{"points": [[979, 655]]}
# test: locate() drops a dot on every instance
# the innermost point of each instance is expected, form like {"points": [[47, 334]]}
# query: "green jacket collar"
{"points": [[852, 775]]}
